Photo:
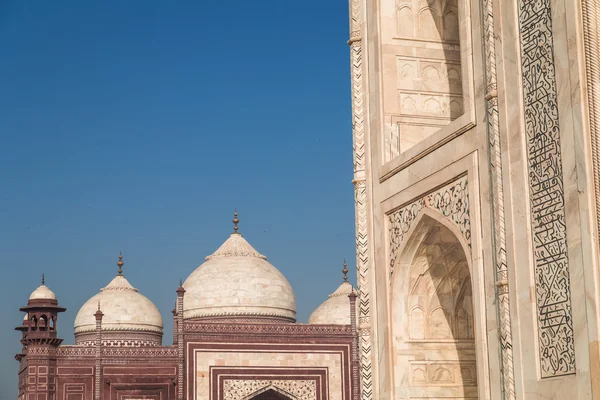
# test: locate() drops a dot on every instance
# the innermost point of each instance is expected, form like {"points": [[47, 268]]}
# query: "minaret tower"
{"points": [[40, 340]]}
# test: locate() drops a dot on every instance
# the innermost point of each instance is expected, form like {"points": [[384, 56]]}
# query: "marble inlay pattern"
{"points": [[242, 389], [360, 196], [452, 201], [547, 199], [497, 200]]}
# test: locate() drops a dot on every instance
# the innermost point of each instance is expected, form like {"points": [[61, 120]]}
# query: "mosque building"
{"points": [[235, 337]]}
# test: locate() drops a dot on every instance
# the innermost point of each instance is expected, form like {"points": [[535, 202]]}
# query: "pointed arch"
{"points": [[432, 277], [405, 21], [429, 24], [418, 230], [270, 392], [451, 28]]}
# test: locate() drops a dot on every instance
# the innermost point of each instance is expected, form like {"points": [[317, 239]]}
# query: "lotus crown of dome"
{"points": [[119, 283], [235, 246]]}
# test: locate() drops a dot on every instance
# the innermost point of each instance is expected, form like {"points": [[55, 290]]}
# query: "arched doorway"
{"points": [[433, 332], [270, 394]]}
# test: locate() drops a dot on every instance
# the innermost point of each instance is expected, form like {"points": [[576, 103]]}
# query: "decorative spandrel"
{"points": [[547, 200], [452, 201], [242, 389]]}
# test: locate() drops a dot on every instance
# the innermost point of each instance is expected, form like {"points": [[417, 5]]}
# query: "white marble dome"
{"points": [[237, 281], [124, 309], [336, 309], [42, 293]]}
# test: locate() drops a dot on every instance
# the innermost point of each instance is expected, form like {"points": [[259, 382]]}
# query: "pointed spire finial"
{"points": [[235, 221], [98, 305], [43, 280], [345, 271], [180, 282], [120, 263]]}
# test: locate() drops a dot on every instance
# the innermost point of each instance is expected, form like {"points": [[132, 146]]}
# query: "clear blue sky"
{"points": [[140, 125]]}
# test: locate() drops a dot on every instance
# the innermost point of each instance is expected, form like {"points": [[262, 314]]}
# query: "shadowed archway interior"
{"points": [[270, 395], [433, 325]]}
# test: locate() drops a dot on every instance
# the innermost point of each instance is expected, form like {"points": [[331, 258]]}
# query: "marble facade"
{"points": [[476, 174]]}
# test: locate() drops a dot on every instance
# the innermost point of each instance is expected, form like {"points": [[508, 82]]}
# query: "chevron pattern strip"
{"points": [[362, 260], [360, 198], [497, 199]]}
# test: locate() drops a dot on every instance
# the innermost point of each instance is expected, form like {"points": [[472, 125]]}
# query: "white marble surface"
{"points": [[397, 177], [336, 309], [236, 280], [42, 292], [124, 309]]}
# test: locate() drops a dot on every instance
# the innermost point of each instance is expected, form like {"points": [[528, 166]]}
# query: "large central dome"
{"points": [[238, 282]]}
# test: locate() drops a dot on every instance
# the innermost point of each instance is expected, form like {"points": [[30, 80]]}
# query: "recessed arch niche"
{"points": [[432, 316]]}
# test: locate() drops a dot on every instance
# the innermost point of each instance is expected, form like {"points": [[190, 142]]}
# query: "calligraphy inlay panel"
{"points": [[547, 201]]}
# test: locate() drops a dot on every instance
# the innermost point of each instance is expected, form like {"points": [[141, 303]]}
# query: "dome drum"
{"points": [[120, 339], [242, 317]]}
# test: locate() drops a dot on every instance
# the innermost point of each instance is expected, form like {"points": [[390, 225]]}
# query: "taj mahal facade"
{"points": [[476, 142]]}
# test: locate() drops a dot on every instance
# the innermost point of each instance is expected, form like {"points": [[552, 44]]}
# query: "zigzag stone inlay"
{"points": [[360, 199], [497, 199]]}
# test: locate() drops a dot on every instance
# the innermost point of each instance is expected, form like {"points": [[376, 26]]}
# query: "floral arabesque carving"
{"points": [[451, 201], [240, 389]]}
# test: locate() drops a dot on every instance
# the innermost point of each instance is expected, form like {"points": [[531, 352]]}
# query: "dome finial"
{"points": [[43, 280], [345, 271], [235, 221], [120, 263]]}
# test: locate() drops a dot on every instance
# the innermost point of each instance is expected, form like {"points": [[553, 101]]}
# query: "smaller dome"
{"points": [[42, 293], [336, 309], [124, 308], [129, 317]]}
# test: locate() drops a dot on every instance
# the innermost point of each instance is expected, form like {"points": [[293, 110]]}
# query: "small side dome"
{"points": [[42, 292], [130, 319], [336, 309]]}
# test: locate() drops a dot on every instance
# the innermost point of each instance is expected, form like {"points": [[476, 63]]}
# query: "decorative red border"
{"points": [[342, 349]]}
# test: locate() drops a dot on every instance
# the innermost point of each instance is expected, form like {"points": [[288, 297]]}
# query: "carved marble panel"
{"points": [[244, 389], [451, 200]]}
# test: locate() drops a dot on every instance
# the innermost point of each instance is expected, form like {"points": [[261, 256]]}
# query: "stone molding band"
{"points": [[188, 315]]}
